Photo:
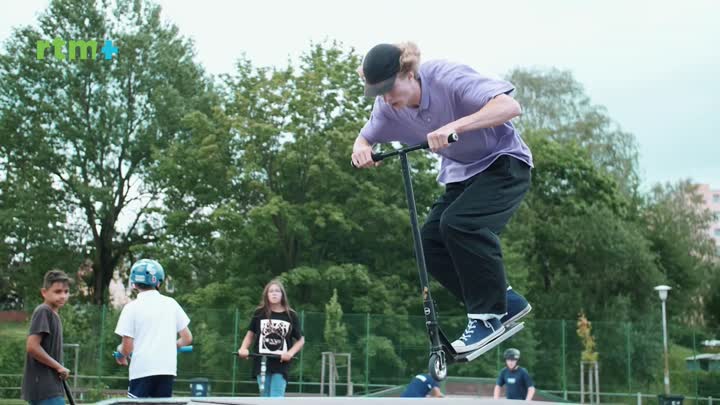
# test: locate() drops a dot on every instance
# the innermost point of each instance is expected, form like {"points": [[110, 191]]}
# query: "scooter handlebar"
{"points": [[181, 349], [269, 356], [377, 157]]}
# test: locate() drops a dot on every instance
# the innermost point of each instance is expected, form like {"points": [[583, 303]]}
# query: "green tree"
{"points": [[555, 106], [33, 241], [676, 227], [335, 332], [713, 302], [265, 187], [95, 128], [576, 233]]}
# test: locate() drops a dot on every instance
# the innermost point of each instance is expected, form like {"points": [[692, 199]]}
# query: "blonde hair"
{"points": [[409, 58]]}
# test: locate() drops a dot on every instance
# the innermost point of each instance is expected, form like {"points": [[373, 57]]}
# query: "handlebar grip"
{"points": [[452, 138]]}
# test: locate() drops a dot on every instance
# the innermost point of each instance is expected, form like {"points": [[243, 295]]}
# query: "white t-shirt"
{"points": [[153, 321]]}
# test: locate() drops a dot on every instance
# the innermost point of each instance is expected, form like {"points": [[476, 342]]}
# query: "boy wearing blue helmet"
{"points": [[149, 327]]}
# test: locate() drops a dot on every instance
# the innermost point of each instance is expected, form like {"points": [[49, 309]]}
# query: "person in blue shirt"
{"points": [[421, 386], [518, 383]]}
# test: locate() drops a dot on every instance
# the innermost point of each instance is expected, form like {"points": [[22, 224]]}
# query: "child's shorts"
{"points": [[153, 386]]}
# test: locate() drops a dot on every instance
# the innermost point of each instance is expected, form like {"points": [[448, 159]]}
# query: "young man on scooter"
{"points": [[486, 174]]}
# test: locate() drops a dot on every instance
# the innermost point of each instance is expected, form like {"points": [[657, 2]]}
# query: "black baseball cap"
{"points": [[380, 68]]}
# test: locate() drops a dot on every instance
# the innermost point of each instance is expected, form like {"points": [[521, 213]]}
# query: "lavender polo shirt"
{"points": [[450, 91]]}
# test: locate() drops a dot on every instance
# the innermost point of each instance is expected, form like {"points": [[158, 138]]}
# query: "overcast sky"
{"points": [[653, 64]]}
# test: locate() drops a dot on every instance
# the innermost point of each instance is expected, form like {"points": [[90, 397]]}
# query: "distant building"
{"points": [[704, 362], [712, 203]]}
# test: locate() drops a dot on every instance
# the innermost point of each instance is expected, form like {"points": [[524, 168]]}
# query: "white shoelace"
{"points": [[468, 330], [471, 327]]}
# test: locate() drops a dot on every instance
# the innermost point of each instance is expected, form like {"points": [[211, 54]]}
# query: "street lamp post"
{"points": [[663, 293]]}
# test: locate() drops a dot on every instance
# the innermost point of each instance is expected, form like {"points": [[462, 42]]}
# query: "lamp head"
{"points": [[663, 291]]}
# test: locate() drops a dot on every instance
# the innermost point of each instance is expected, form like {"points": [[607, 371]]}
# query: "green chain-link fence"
{"points": [[386, 350]]}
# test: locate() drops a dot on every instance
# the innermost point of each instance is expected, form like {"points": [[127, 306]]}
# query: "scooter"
{"points": [[263, 366], [441, 351], [68, 393]]}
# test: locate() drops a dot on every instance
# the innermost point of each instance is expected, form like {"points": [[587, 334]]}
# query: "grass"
{"points": [[12, 402], [678, 367], [14, 330]]}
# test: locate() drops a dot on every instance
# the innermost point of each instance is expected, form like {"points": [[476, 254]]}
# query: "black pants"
{"points": [[460, 236]]}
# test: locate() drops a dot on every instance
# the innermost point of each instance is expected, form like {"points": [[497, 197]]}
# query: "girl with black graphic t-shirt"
{"points": [[274, 330]]}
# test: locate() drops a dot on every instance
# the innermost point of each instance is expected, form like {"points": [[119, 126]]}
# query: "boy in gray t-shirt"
{"points": [[43, 370]]}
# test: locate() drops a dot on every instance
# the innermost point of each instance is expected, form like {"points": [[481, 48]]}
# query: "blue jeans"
{"points": [[49, 401], [274, 385]]}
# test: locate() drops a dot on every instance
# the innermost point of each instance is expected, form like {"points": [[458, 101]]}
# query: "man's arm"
{"points": [[361, 143], [33, 347], [296, 347], [530, 394], [128, 345], [362, 153], [185, 338], [496, 392], [126, 348], [436, 393], [243, 351], [531, 387], [499, 383], [378, 129], [497, 111]]}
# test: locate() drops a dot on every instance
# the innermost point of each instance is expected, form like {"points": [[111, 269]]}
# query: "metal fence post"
{"points": [[77, 365], [367, 353], [629, 356], [562, 363], [302, 327], [235, 358], [695, 372], [102, 341], [582, 382]]}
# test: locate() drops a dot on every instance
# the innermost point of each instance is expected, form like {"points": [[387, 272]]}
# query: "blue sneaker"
{"points": [[477, 334], [517, 307]]}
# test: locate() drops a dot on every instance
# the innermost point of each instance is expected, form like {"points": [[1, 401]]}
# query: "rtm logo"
{"points": [[58, 44]]}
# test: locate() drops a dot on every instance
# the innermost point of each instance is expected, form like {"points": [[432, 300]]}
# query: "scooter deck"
{"points": [[455, 357]]}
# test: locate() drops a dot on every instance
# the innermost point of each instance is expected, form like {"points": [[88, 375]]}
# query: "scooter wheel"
{"points": [[437, 367]]}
